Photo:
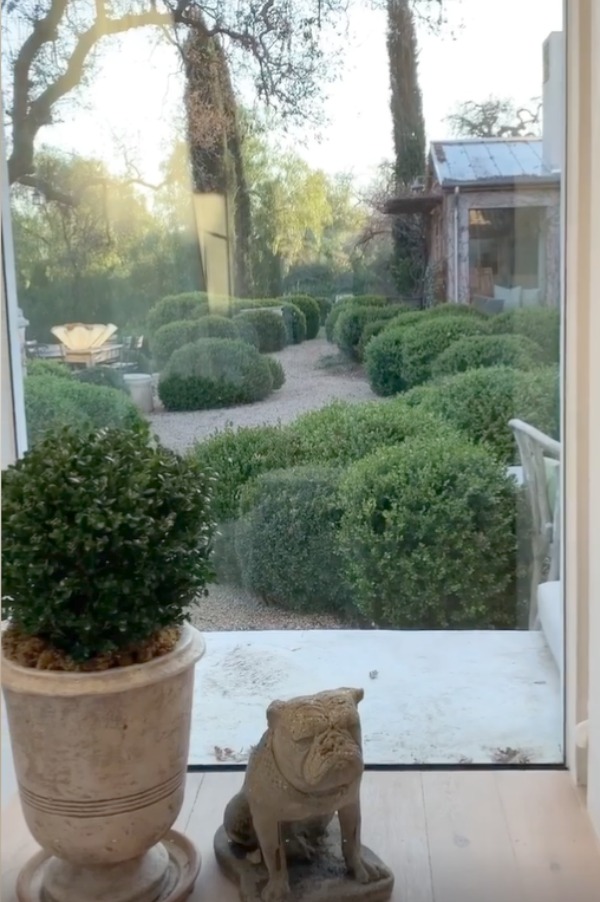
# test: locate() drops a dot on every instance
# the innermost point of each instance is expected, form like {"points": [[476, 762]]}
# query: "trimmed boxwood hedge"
{"points": [[53, 403], [215, 326], [277, 373], [540, 324], [310, 309], [102, 375], [476, 351], [481, 402], [40, 367], [286, 540], [294, 322], [428, 536], [454, 310], [325, 305], [176, 307], [425, 341], [377, 326], [346, 304], [351, 322], [169, 338], [214, 372], [269, 328]]}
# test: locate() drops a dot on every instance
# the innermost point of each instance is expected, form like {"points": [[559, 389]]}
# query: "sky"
{"points": [[496, 50]]}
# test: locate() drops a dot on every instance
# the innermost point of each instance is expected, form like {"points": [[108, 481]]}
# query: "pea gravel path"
{"points": [[315, 376], [308, 386]]}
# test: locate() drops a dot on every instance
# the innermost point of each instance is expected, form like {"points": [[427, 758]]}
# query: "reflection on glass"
{"points": [[331, 235]]}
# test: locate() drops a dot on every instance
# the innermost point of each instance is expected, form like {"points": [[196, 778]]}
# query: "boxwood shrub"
{"points": [[101, 375], [175, 307], [215, 326], [294, 322], [454, 310], [325, 305], [475, 351], [171, 337], [540, 324], [425, 341], [287, 540], [428, 536], [214, 372], [310, 309], [41, 367], [481, 402], [277, 373], [377, 326], [55, 403], [269, 328], [352, 321]]}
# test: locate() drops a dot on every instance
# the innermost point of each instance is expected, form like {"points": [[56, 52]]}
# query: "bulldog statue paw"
{"points": [[293, 832]]}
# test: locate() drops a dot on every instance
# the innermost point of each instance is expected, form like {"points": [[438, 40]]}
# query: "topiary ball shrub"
{"points": [[342, 432], [310, 309], [214, 326], [287, 540], [425, 341], [377, 326], [428, 536], [40, 367], [481, 402], [176, 307], [384, 363], [351, 323], [294, 322], [325, 305], [345, 304], [102, 375], [214, 372], [277, 373], [476, 351], [540, 324], [56, 403], [172, 336], [269, 328], [105, 540], [452, 309]]}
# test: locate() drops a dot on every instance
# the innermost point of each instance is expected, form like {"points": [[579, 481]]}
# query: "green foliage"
{"points": [[40, 367], [105, 539], [277, 373], [481, 402], [476, 351], [171, 337], [428, 534], [311, 311], [102, 375], [215, 326], [384, 363], [287, 540], [237, 456], [174, 308], [268, 326], [214, 372], [325, 305], [450, 309], [352, 321], [54, 403], [540, 324], [425, 341], [294, 322], [377, 326], [347, 304]]}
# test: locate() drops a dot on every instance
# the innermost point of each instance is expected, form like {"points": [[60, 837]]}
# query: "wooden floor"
{"points": [[449, 837]]}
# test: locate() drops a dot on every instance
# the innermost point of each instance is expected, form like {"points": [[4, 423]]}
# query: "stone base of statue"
{"points": [[322, 878]]}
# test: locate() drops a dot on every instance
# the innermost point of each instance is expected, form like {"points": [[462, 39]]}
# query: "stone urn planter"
{"points": [[101, 762]]}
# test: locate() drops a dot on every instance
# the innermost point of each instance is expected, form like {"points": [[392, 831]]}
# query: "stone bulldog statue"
{"points": [[279, 840]]}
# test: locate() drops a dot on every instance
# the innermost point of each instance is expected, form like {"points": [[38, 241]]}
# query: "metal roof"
{"points": [[490, 162]]}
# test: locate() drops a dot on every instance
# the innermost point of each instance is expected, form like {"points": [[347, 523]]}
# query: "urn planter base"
{"points": [[166, 873]]}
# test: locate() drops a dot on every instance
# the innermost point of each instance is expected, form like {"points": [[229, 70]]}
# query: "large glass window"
{"points": [[317, 246]]}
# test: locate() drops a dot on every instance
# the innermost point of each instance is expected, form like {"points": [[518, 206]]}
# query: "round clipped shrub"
{"points": [[214, 326], [54, 403], [175, 307], [105, 540], [287, 540], [481, 402], [352, 321], [102, 375], [269, 328], [171, 337], [540, 324], [325, 305], [214, 372], [426, 340], [294, 322], [428, 536], [40, 367], [237, 456], [310, 309], [277, 373], [476, 351], [343, 432], [377, 326], [451, 309], [343, 305], [383, 359]]}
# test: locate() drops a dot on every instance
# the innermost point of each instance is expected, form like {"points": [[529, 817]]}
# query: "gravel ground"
{"points": [[315, 376], [308, 386]]}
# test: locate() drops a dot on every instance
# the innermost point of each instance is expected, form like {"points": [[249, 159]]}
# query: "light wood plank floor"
{"points": [[449, 837]]}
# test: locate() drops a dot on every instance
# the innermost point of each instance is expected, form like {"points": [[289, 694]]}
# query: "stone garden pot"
{"points": [[101, 761]]}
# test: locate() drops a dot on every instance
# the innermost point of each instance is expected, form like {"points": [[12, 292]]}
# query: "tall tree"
{"points": [[496, 117]]}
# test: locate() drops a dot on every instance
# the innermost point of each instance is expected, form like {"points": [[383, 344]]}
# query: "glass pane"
{"points": [[317, 247]]}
